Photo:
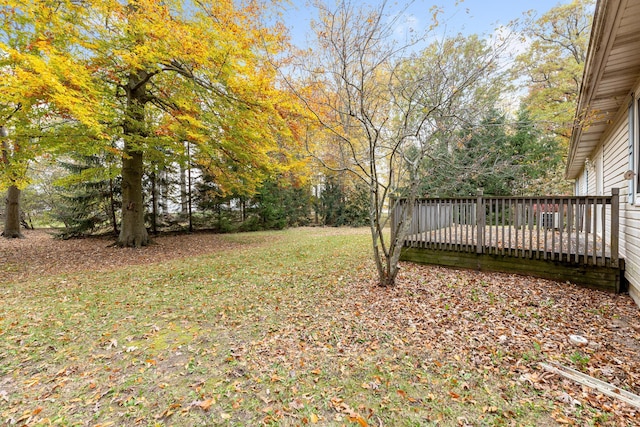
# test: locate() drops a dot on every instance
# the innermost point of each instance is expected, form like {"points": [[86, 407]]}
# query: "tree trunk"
{"points": [[114, 220], [12, 206], [132, 231], [154, 203], [164, 191], [12, 214], [387, 256], [190, 211], [184, 204]]}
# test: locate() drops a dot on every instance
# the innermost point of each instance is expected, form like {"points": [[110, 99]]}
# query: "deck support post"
{"points": [[480, 221], [615, 226]]}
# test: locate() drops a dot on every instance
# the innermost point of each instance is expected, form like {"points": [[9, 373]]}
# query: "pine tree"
{"points": [[91, 196]]}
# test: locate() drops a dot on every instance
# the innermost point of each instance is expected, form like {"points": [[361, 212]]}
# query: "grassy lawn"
{"points": [[287, 328]]}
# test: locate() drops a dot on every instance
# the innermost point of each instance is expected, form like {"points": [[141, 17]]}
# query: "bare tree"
{"points": [[382, 104]]}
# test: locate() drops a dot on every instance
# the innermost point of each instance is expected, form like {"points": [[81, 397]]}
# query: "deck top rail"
{"points": [[574, 229]]}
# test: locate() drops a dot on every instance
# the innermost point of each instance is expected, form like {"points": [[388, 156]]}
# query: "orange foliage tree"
{"points": [[168, 75]]}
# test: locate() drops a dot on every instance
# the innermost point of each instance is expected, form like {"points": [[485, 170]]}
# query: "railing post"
{"points": [[480, 221], [615, 226]]}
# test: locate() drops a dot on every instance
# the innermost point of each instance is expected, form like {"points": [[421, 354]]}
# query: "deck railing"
{"points": [[577, 229]]}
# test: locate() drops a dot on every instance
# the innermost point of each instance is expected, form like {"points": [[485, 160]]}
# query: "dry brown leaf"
{"points": [[205, 405]]}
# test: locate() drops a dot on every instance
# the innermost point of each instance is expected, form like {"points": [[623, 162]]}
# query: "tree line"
{"points": [[138, 115], [82, 197]]}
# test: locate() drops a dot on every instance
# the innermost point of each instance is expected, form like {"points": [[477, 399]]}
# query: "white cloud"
{"points": [[408, 25]]}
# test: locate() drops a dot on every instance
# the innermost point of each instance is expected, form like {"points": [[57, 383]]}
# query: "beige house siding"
{"points": [[614, 155], [591, 177], [611, 81]]}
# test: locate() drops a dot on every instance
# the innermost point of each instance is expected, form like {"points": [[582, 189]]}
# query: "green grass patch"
{"points": [[274, 332]]}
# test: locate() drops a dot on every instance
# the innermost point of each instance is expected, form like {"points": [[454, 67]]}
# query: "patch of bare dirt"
{"points": [[40, 253]]}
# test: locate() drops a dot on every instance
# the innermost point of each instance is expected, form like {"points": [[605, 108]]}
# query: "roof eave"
{"points": [[590, 78]]}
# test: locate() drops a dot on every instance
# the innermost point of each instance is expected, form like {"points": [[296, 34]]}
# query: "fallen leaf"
{"points": [[358, 419], [296, 404], [205, 405]]}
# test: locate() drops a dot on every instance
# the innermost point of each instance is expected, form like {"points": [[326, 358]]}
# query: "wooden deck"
{"points": [[571, 239]]}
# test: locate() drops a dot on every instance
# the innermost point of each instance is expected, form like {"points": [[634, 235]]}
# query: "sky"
{"points": [[468, 16]]}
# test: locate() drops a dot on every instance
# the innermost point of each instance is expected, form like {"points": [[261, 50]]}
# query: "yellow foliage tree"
{"points": [[168, 73], [43, 86]]}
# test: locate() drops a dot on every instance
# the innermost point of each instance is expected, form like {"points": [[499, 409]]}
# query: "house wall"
{"points": [[613, 153], [591, 177], [579, 184]]}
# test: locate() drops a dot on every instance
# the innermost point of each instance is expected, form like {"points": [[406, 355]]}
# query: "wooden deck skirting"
{"points": [[562, 238]]}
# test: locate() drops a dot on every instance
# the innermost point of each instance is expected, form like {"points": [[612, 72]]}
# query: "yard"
{"points": [[288, 328]]}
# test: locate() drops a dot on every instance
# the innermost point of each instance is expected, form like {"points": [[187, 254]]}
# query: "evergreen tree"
{"points": [[482, 159], [332, 201], [342, 205], [279, 204], [502, 158], [540, 155], [90, 196], [355, 212]]}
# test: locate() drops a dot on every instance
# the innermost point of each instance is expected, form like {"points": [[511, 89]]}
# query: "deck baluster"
{"points": [[570, 220], [603, 235], [518, 220], [538, 218], [594, 251], [561, 216]]}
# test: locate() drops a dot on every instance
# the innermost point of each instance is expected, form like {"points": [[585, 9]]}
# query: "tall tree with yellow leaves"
{"points": [[553, 64], [184, 79], [180, 71], [552, 67], [43, 87]]}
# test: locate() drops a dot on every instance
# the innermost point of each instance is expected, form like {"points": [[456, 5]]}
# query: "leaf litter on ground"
{"points": [[289, 328]]}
